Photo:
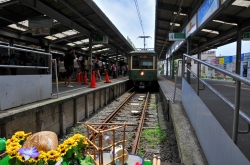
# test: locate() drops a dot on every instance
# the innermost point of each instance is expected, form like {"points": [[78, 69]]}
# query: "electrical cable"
{"points": [[172, 26], [139, 15]]}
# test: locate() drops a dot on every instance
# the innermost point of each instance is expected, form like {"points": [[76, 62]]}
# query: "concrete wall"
{"points": [[58, 114]]}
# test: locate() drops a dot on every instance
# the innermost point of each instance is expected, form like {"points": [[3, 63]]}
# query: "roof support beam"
{"points": [[166, 6], [8, 3], [21, 37], [42, 8]]}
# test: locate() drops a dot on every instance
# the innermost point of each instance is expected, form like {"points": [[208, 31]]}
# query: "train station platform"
{"points": [[222, 112], [58, 114]]}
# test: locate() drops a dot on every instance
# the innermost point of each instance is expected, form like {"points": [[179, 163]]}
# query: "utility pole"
{"points": [[144, 37]]}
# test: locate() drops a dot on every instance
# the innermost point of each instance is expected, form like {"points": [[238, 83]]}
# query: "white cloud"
{"points": [[230, 49], [123, 14]]}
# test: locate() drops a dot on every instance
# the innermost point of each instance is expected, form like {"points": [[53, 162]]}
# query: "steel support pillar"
{"points": [[183, 67], [198, 72], [90, 56], [11, 43], [188, 59], [173, 66], [167, 67], [238, 86]]}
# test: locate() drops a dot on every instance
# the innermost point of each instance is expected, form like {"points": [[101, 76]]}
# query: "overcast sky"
{"points": [[124, 16]]}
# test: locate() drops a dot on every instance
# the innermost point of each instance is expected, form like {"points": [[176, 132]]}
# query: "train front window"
{"points": [[142, 62]]}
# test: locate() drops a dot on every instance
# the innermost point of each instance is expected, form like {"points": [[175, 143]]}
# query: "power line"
{"points": [[172, 26], [139, 15]]}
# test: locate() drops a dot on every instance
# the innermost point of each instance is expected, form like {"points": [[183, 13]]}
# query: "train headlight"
{"points": [[142, 73]]}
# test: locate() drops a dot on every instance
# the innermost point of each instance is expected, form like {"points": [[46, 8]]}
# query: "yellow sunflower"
{"points": [[62, 149], [78, 137], [70, 142], [12, 140]]}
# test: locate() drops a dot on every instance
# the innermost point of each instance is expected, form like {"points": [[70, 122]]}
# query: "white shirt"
{"points": [[75, 63]]}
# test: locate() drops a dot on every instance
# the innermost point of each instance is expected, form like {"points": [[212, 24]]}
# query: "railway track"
{"points": [[140, 113], [133, 110]]}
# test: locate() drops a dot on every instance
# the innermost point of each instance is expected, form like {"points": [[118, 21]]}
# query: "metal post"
{"points": [[116, 61], [56, 77], [175, 84], [238, 86], [11, 43], [90, 55], [173, 66], [183, 67], [167, 67], [188, 60], [198, 72]]}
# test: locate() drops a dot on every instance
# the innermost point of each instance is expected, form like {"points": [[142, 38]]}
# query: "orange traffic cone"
{"points": [[79, 76], [107, 78], [93, 84], [85, 79]]}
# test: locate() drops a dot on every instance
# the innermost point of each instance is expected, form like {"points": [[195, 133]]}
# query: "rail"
{"points": [[236, 106]]}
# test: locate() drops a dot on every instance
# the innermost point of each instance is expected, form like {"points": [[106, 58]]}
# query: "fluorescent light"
{"points": [[60, 35], [175, 24], [50, 38], [71, 44], [78, 42], [3, 1], [210, 31], [180, 14], [70, 32], [234, 24], [242, 3]]}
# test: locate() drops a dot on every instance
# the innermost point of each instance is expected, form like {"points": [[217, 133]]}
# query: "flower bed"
{"points": [[71, 151]]}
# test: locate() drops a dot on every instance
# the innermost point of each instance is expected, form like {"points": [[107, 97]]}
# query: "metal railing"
{"points": [[33, 67], [236, 106]]}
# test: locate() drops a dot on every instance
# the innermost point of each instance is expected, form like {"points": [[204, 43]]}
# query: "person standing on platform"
{"points": [[114, 70], [69, 66], [97, 68], [13, 61], [76, 68]]}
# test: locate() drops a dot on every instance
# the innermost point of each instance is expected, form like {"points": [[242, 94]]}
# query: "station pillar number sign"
{"points": [[246, 36], [176, 36], [100, 39]]}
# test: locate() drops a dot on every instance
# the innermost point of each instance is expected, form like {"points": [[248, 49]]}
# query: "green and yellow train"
{"points": [[142, 70]]}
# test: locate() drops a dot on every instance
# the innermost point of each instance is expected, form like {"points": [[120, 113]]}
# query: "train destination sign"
{"points": [[176, 36], [100, 39], [246, 36]]}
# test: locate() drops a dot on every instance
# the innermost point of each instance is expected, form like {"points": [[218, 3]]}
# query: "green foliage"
{"points": [[153, 136], [140, 151], [152, 106]]}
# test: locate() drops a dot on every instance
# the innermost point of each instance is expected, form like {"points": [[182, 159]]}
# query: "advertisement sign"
{"points": [[221, 60], [206, 10], [242, 57], [191, 26], [247, 57], [226, 60], [40, 31], [222, 1], [212, 53]]}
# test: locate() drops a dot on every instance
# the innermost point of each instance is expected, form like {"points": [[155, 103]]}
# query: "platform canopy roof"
{"points": [[74, 21], [212, 31]]}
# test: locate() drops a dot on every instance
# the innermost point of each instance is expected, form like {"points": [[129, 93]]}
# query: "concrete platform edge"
{"points": [[189, 149]]}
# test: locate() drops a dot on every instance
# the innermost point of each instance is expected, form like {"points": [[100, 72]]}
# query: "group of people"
{"points": [[8, 60], [119, 70], [69, 65]]}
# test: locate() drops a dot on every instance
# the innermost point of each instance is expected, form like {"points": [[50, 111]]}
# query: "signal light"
{"points": [[142, 73]]}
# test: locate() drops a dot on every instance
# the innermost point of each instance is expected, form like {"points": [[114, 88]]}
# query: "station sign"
{"points": [[176, 36], [246, 36], [100, 39]]}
